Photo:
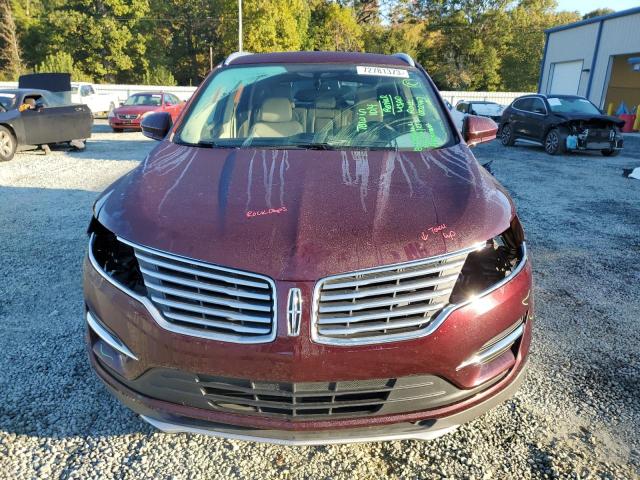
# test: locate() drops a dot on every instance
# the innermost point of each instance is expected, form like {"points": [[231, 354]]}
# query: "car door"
{"points": [[171, 105], [536, 119], [518, 115], [52, 123]]}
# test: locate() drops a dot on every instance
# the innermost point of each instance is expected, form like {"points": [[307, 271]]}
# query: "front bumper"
{"points": [[120, 123], [298, 359], [427, 428]]}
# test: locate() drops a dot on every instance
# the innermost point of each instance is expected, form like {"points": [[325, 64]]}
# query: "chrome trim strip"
{"points": [[500, 346], [176, 428], [294, 312], [157, 316], [435, 322], [108, 337]]}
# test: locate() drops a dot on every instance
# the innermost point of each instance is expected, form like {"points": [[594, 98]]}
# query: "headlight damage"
{"points": [[491, 264], [115, 258]]}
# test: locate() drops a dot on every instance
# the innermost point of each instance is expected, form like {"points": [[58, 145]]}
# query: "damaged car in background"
{"points": [[561, 123]]}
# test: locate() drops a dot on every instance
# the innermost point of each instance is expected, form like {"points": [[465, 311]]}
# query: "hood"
{"points": [[304, 214], [592, 118], [135, 109]]}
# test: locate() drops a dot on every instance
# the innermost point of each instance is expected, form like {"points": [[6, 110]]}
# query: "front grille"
{"points": [[301, 401], [127, 116], [296, 399], [384, 304], [198, 297]]}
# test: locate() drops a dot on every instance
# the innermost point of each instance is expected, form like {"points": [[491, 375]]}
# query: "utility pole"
{"points": [[239, 25]]}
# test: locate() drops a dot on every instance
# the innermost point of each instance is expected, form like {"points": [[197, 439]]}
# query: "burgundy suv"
{"points": [[311, 254]]}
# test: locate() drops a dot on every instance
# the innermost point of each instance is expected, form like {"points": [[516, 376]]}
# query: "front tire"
{"points": [[555, 142], [506, 136], [8, 144], [610, 153]]}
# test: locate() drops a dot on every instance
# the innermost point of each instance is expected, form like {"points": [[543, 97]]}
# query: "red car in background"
{"points": [[137, 106]]}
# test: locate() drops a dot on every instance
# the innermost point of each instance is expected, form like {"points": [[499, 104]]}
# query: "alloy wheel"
{"points": [[6, 144], [551, 143], [506, 134]]}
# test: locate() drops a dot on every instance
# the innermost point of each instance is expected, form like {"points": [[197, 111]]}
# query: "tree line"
{"points": [[464, 44]]}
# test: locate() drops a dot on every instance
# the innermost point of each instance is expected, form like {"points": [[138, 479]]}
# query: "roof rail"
{"points": [[406, 57], [235, 55]]}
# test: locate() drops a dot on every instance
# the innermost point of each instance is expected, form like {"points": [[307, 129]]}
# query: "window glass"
{"points": [[489, 109], [572, 105], [537, 106], [302, 105], [7, 101], [523, 104], [462, 107], [145, 99]]}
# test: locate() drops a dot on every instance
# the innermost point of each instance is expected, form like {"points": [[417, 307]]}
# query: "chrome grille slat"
{"points": [[205, 286], [398, 276], [207, 300], [393, 289], [326, 320], [385, 302], [390, 303], [200, 273], [372, 327], [217, 324], [211, 311]]}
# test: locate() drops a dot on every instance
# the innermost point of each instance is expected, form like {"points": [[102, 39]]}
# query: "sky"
{"points": [[584, 6]]}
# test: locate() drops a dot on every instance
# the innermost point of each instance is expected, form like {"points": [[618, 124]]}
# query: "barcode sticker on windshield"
{"points": [[382, 71]]}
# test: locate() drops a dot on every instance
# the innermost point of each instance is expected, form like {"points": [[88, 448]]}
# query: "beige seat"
{"points": [[276, 120], [325, 115]]}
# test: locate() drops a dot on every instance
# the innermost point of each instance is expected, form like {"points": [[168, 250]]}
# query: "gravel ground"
{"points": [[576, 416]]}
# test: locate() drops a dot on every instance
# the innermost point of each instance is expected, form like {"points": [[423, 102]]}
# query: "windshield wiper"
{"points": [[201, 143]]}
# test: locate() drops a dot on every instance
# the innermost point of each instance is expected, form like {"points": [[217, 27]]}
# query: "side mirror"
{"points": [[477, 130], [156, 125], [39, 105]]}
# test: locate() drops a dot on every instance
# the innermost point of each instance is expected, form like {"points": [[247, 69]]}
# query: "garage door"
{"points": [[566, 78]]}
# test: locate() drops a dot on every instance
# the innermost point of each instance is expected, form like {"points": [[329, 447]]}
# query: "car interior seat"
{"points": [[275, 119]]}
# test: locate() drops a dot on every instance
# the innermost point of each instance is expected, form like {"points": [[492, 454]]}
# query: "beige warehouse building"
{"points": [[598, 58]]}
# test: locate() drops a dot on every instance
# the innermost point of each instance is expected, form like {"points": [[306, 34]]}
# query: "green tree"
{"points": [[159, 76], [62, 62], [10, 61], [597, 13], [524, 32], [334, 27]]}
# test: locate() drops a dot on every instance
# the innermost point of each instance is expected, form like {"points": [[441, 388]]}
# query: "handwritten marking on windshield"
{"points": [[267, 211]]}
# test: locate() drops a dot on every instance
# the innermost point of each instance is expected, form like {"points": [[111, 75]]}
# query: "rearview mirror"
{"points": [[477, 130], [156, 125]]}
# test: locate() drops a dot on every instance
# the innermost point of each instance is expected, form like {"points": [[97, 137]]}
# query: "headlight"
{"points": [[115, 259], [486, 267]]}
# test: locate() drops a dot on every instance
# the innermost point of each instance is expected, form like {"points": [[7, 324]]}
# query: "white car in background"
{"points": [[458, 117], [98, 103]]}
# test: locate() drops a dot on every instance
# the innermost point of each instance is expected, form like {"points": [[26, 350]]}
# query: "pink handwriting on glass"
{"points": [[424, 235], [269, 211]]}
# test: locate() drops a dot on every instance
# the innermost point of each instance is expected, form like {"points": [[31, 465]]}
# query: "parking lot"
{"points": [[576, 416]]}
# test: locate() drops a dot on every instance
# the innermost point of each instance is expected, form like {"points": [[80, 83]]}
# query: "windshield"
{"points": [[147, 99], [327, 106], [572, 105], [486, 108], [6, 101]]}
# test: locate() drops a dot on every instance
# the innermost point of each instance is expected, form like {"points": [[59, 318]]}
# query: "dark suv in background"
{"points": [[561, 123], [311, 254]]}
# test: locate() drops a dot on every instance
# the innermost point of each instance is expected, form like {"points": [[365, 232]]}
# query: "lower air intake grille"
{"points": [[296, 399], [201, 299], [384, 304]]}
